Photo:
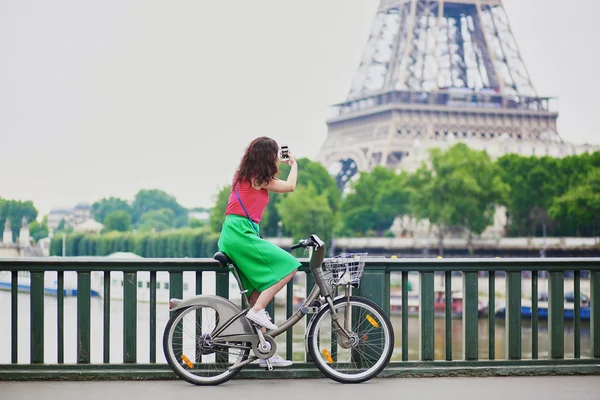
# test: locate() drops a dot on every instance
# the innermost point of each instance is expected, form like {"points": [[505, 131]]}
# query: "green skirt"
{"points": [[261, 264]]}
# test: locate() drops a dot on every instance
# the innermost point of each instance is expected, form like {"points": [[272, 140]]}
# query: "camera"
{"points": [[284, 153]]}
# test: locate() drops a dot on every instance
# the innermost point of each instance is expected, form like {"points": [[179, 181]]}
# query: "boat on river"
{"points": [[569, 307]]}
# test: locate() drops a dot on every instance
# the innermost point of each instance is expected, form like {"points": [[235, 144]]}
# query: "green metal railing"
{"points": [[375, 285]]}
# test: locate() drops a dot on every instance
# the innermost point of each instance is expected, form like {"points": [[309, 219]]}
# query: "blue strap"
{"points": [[246, 211]]}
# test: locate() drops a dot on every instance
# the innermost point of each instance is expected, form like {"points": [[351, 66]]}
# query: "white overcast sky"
{"points": [[103, 98]]}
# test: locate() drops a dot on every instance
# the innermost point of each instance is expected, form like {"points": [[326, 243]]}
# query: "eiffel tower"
{"points": [[435, 72]]}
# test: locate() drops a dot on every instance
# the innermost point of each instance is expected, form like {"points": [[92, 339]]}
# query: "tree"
{"points": [[461, 188], [533, 183], [305, 212], [118, 220], [309, 172], [376, 198], [157, 220], [580, 203], [217, 213], [153, 199], [39, 230], [15, 210], [197, 223], [102, 208]]}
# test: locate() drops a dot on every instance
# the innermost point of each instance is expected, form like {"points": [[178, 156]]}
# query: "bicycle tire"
{"points": [[174, 364], [337, 376]]}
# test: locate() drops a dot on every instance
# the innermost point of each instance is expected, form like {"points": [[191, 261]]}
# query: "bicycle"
{"points": [[221, 337]]}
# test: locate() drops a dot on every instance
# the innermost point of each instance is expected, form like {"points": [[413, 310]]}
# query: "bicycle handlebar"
{"points": [[298, 245], [311, 241]]}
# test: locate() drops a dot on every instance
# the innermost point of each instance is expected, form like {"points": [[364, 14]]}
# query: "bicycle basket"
{"points": [[346, 268]]}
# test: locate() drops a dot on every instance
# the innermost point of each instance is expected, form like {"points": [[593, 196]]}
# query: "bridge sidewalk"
{"points": [[501, 388]]}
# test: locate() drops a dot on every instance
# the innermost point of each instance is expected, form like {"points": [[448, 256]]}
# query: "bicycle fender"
{"points": [[224, 307]]}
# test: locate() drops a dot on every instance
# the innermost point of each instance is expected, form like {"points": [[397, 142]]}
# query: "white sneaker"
{"points": [[261, 318], [276, 361]]}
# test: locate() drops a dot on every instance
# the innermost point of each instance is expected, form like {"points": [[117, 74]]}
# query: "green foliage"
{"points": [[305, 212], [196, 223], [309, 173], [118, 220], [184, 242], [461, 188], [217, 214], [15, 210], [157, 220], [102, 208], [376, 198], [39, 230], [537, 184], [147, 200], [581, 202]]}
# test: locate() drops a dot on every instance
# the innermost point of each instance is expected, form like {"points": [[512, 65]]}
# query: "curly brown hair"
{"points": [[259, 164]]}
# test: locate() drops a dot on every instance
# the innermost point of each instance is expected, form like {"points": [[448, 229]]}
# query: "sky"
{"points": [[104, 98]]}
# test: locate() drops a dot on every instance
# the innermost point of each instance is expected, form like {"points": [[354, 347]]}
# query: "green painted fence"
{"points": [[375, 284]]}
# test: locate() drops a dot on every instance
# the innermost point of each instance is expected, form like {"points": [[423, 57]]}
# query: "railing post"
{"points": [[106, 320], [14, 318], [310, 283], [152, 316], [492, 316], [470, 314], [556, 311], [534, 315], [595, 313], [375, 286], [37, 317], [448, 313], [222, 283], [60, 317], [129, 317], [426, 316], [513, 315], [222, 289], [83, 317], [404, 315]]}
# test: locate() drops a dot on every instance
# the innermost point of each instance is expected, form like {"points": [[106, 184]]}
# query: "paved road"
{"points": [[501, 388]]}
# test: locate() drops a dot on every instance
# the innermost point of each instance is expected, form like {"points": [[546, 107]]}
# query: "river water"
{"points": [[143, 336]]}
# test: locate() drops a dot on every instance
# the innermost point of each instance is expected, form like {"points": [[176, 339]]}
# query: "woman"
{"points": [[264, 267]]}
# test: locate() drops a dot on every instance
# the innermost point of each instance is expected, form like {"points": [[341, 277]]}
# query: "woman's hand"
{"points": [[291, 159]]}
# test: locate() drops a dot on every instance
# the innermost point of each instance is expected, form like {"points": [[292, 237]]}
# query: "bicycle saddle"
{"points": [[222, 259]]}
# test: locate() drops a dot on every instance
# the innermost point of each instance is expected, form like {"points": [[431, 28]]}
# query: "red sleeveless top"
{"points": [[254, 200]]}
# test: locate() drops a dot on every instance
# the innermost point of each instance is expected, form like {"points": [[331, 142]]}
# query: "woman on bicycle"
{"points": [[264, 267]]}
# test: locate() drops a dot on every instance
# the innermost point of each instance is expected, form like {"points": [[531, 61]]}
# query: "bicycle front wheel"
{"points": [[368, 350]]}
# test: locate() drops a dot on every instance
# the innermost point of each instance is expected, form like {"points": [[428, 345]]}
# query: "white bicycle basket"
{"points": [[346, 268]]}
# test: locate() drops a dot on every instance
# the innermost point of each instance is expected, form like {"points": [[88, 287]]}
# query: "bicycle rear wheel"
{"points": [[372, 340], [191, 352]]}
